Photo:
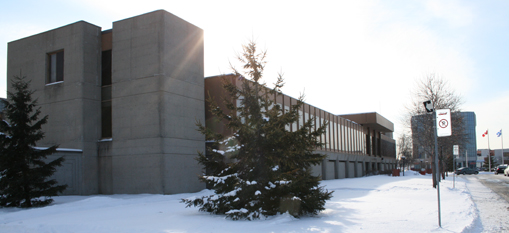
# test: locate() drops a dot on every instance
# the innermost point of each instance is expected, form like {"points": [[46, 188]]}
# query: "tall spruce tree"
{"points": [[263, 168], [24, 172]]}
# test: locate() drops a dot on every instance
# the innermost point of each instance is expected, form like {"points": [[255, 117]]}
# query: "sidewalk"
{"points": [[492, 209]]}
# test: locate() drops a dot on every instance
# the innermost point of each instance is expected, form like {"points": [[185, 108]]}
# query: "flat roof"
{"points": [[372, 120]]}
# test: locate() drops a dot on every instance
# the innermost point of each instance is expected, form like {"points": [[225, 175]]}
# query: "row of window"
{"points": [[341, 135]]}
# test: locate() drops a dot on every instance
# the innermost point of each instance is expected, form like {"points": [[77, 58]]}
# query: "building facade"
{"points": [[123, 103], [355, 144], [468, 155], [496, 154]]}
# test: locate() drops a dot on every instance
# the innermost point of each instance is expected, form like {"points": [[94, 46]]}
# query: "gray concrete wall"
{"points": [[158, 95], [70, 173], [73, 106]]}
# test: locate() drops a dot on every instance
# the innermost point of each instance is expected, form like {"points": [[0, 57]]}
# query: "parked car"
{"points": [[506, 171], [500, 169], [466, 170]]}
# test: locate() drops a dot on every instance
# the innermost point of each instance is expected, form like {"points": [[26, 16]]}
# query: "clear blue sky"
{"points": [[346, 56]]}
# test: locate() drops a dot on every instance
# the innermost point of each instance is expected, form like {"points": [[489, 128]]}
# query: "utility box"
{"points": [[395, 172]]}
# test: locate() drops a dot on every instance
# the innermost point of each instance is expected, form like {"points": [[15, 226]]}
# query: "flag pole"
{"points": [[489, 152], [502, 141]]}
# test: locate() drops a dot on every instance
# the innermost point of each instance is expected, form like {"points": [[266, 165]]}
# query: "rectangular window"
{"points": [[106, 113], [106, 119], [55, 67], [106, 68]]}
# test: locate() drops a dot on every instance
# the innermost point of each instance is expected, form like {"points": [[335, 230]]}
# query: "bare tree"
{"points": [[434, 88], [405, 146], [405, 150]]}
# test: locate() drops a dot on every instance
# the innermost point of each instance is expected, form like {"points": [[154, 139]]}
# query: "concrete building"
{"points": [[502, 156], [123, 103], [482, 154]]}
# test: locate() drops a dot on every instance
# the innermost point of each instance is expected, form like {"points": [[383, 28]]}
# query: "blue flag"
{"points": [[499, 133]]}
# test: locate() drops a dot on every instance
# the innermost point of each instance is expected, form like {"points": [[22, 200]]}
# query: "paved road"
{"points": [[490, 193]]}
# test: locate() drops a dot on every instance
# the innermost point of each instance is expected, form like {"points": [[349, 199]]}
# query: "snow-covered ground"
{"points": [[368, 204], [493, 209]]}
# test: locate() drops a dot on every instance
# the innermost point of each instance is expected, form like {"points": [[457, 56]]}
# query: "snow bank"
{"points": [[368, 204]]}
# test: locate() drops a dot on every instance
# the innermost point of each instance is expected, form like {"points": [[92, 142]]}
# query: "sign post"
{"points": [[437, 171], [455, 153], [442, 128]]}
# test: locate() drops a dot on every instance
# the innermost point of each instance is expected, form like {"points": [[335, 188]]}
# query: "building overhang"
{"points": [[372, 120]]}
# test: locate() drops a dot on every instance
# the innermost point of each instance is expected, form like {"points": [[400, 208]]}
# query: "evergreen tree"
{"points": [[486, 164], [262, 169], [23, 171]]}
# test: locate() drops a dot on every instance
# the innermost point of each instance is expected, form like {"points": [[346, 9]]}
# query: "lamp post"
{"points": [[430, 109]]}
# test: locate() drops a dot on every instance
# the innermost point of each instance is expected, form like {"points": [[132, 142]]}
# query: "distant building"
{"points": [[502, 152], [123, 103], [497, 156], [468, 149], [470, 145]]}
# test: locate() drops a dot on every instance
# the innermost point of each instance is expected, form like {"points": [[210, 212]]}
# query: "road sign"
{"points": [[456, 150], [443, 122]]}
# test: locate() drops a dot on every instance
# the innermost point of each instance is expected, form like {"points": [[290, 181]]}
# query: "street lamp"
{"points": [[428, 105]]}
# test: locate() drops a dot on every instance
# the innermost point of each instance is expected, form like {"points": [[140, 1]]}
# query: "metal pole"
{"points": [[489, 153], [466, 158], [453, 170], [502, 138], [436, 167]]}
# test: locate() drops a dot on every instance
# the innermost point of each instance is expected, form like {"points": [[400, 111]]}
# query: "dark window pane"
{"points": [[106, 127], [60, 66], [106, 68]]}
